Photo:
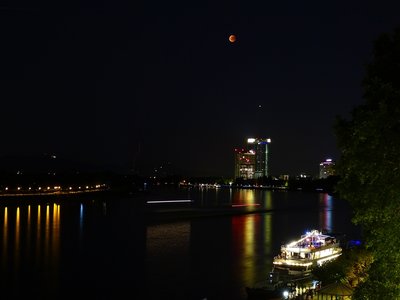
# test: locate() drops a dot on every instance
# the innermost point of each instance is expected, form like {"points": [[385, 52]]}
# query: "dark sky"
{"points": [[124, 83]]}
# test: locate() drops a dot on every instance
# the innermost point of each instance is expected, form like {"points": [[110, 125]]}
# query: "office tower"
{"points": [[326, 168], [260, 147], [244, 164], [252, 162]]}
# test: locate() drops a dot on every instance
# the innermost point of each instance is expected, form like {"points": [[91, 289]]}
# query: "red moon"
{"points": [[232, 38]]}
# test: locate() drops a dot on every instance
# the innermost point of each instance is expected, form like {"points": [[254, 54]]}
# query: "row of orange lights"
{"points": [[57, 188]]}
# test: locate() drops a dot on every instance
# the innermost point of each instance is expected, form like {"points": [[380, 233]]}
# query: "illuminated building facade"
{"points": [[326, 168], [244, 164], [253, 162], [260, 147]]}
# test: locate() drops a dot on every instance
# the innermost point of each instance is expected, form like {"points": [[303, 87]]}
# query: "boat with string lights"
{"points": [[312, 249]]}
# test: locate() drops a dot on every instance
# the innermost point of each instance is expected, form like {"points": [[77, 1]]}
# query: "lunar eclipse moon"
{"points": [[232, 38]]}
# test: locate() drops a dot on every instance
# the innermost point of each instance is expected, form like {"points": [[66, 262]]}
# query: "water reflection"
{"points": [[5, 236], [38, 221], [172, 238], [47, 232], [17, 238], [251, 243], [81, 220], [250, 198], [212, 257], [244, 196], [267, 199], [56, 232], [167, 254], [243, 232], [325, 214], [28, 230]]}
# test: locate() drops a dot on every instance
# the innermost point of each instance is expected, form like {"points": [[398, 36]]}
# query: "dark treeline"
{"points": [[305, 184], [369, 143], [27, 174], [294, 184]]}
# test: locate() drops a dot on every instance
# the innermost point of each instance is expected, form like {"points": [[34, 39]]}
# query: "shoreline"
{"points": [[57, 193]]}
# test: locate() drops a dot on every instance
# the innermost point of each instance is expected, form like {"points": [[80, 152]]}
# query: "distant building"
{"points": [[304, 176], [252, 163], [244, 164], [284, 177], [326, 168], [260, 147]]}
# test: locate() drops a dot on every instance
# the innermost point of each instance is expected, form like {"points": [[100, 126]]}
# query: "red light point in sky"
{"points": [[232, 38]]}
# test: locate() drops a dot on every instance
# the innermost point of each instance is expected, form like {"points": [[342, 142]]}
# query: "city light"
{"points": [[285, 294]]}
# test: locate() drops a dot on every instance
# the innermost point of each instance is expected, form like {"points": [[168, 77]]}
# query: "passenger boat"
{"points": [[301, 256]]}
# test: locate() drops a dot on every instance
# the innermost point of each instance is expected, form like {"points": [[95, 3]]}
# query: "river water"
{"points": [[104, 247]]}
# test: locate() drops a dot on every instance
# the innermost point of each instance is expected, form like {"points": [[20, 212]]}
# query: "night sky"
{"points": [[135, 85]]}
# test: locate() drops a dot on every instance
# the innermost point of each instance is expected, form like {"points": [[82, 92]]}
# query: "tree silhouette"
{"points": [[369, 167]]}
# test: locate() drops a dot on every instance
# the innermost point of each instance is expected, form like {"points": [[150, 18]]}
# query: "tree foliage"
{"points": [[350, 268], [369, 167]]}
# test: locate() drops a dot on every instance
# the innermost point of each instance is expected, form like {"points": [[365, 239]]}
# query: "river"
{"points": [[104, 247]]}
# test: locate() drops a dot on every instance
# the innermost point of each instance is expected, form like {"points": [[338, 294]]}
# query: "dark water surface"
{"points": [[104, 247]]}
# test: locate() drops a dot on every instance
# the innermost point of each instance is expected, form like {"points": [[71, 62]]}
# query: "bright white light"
{"points": [[251, 140], [268, 140], [285, 294], [319, 262]]}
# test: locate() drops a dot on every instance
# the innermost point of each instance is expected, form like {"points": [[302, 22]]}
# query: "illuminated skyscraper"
{"points": [[252, 163], [244, 164], [326, 168], [260, 147]]}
